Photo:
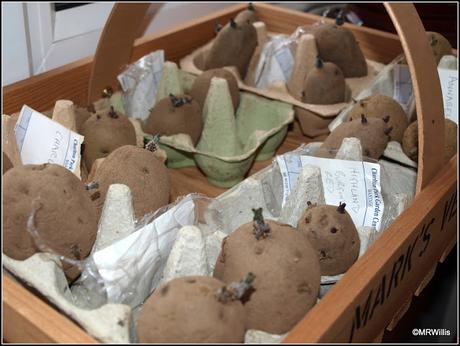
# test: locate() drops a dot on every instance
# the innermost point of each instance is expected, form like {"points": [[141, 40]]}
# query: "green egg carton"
{"points": [[230, 140]]}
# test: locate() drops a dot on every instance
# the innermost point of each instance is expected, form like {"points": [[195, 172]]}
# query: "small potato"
{"points": [[334, 236], [105, 132]]}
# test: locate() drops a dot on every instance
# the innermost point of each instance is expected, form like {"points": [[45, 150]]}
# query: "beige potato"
{"points": [[324, 85], [105, 132], [286, 269], [141, 171], [338, 45], [234, 45], [372, 133], [334, 236], [381, 106], [175, 114], [410, 140], [65, 217], [186, 310]]}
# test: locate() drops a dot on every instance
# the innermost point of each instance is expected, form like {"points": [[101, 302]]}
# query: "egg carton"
{"points": [[287, 88], [231, 139], [130, 259]]}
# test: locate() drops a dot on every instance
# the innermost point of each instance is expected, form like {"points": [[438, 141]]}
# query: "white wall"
{"points": [[35, 39], [15, 59]]}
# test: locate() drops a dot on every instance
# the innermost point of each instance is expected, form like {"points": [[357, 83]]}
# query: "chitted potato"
{"points": [[176, 114], [202, 83], [248, 16], [338, 45], [334, 236], [141, 171], [372, 133], [439, 45], [7, 164], [234, 45], [381, 106], [324, 85], [286, 269], [187, 310], [104, 133], [410, 140], [82, 114], [65, 218]]}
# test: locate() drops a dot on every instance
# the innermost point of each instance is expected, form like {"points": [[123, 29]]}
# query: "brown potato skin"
{"points": [[139, 169], [338, 45], [371, 135], [201, 85], [287, 274], [380, 106], [233, 47], [186, 310], [165, 119], [333, 235], [65, 216], [410, 140], [7, 164], [324, 86], [103, 134]]}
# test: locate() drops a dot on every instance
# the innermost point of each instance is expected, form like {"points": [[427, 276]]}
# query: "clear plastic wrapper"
{"points": [[139, 82], [128, 270]]}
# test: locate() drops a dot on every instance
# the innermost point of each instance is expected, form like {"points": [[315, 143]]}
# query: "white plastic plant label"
{"points": [[132, 267], [42, 140], [354, 182], [449, 86]]}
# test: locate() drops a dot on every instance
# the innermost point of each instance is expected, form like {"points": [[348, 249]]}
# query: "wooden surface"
{"points": [[400, 259], [27, 318]]}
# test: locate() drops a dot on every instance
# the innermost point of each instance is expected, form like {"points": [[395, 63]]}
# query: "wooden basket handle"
{"points": [[117, 39]]}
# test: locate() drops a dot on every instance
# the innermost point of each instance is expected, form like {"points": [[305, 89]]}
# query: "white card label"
{"points": [[42, 140], [449, 86], [354, 182]]}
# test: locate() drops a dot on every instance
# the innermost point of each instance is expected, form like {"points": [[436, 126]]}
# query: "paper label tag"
{"points": [[402, 88], [449, 86], [354, 182], [42, 140], [132, 267]]}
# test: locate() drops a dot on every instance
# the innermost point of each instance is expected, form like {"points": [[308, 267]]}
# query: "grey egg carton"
{"points": [[115, 323]]}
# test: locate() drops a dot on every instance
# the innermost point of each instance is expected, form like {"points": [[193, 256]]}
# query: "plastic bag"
{"points": [[139, 82], [128, 270]]}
